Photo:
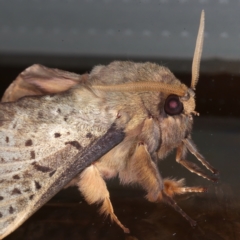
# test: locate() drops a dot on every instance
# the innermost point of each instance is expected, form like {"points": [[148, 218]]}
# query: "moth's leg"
{"points": [[94, 190], [192, 167], [193, 149], [141, 169], [167, 199], [172, 187]]}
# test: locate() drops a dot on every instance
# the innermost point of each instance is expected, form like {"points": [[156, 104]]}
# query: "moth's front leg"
{"points": [[94, 190], [193, 149], [192, 167]]}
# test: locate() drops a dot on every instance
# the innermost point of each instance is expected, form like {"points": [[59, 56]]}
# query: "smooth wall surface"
{"points": [[68, 31]]}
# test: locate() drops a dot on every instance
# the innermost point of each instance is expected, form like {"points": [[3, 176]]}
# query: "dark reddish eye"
{"points": [[173, 105]]}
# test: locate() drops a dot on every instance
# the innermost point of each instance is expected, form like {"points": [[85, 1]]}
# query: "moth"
{"points": [[118, 120]]}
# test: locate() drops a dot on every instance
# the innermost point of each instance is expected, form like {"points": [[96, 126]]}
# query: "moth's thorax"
{"points": [[122, 72], [177, 127], [130, 72], [148, 122]]}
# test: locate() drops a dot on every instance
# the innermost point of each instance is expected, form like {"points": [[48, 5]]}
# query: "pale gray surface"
{"points": [[159, 29]]}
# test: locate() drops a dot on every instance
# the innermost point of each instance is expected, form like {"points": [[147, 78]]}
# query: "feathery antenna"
{"points": [[198, 52]]}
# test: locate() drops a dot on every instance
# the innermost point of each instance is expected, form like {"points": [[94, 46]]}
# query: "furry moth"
{"points": [[118, 120]]}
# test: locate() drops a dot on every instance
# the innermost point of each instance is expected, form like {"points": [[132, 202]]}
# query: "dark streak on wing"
{"points": [[57, 135], [31, 196], [89, 135], [28, 143], [37, 185], [16, 191], [52, 173], [16, 177], [11, 210], [75, 144], [32, 154], [41, 168]]}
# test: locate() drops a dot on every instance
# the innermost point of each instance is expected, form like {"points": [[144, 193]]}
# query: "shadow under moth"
{"points": [[118, 120]]}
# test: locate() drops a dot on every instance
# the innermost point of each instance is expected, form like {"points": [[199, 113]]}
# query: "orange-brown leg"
{"points": [[192, 167], [94, 190], [141, 169]]}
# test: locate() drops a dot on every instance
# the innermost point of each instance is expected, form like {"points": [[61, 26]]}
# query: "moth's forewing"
{"points": [[41, 80], [44, 143]]}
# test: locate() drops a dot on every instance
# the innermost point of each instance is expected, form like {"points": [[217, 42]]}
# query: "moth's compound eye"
{"points": [[173, 105]]}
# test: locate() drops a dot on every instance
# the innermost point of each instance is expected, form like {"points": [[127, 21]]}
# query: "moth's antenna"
{"points": [[198, 52], [144, 87]]}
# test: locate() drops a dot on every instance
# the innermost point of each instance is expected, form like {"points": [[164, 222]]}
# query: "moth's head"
{"points": [[183, 99], [176, 105]]}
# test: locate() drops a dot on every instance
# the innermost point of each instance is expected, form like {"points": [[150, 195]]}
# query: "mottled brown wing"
{"points": [[40, 80], [45, 142]]}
